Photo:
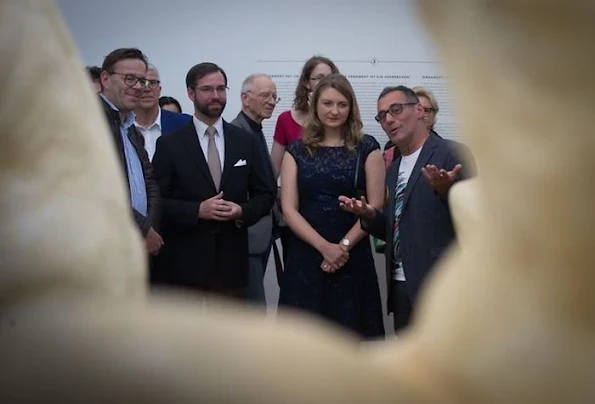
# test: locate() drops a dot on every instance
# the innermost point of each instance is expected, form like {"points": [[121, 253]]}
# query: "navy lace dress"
{"points": [[349, 297]]}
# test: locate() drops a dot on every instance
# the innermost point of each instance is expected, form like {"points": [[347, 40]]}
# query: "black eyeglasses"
{"points": [[393, 110], [152, 83], [266, 96], [131, 80], [208, 89]]}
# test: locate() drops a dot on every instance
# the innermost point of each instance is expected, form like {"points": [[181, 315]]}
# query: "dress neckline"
{"points": [[331, 147]]}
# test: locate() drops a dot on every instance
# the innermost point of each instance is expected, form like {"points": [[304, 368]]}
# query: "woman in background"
{"points": [[290, 123], [329, 268], [170, 104], [429, 104]]}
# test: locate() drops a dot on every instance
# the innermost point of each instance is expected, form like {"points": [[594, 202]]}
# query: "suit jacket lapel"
{"points": [[164, 123], [391, 181], [230, 151], [426, 153], [243, 123], [192, 146]]}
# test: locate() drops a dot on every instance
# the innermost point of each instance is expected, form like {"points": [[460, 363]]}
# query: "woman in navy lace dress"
{"points": [[330, 269]]}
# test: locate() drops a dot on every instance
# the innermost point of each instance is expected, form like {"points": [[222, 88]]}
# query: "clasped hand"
{"points": [[335, 256], [217, 208]]}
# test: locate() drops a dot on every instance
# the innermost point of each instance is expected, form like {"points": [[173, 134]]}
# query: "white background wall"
{"points": [[272, 36]]}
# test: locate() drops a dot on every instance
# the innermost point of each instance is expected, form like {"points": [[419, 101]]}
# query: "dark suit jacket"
{"points": [[259, 234], [196, 251], [171, 121], [426, 227], [153, 198]]}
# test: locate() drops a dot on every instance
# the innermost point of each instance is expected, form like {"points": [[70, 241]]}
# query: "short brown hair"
{"points": [[200, 70], [313, 132], [300, 101], [121, 54]]}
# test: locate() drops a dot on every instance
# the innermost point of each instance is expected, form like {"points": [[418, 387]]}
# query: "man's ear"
{"points": [[104, 79], [419, 110], [244, 97]]}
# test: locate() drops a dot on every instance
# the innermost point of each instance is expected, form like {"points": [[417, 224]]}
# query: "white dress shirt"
{"points": [[151, 134], [203, 138]]}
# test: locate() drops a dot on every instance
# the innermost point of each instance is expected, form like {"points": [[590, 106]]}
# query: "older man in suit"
{"points": [[259, 97], [151, 120], [416, 223], [211, 177]]}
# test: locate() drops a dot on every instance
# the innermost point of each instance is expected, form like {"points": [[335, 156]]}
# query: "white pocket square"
{"points": [[240, 163]]}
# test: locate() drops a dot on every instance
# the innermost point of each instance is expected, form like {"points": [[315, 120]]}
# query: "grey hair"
{"points": [[154, 70], [248, 81]]}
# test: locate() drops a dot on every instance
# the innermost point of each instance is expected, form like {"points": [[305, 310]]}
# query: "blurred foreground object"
{"points": [[508, 318]]}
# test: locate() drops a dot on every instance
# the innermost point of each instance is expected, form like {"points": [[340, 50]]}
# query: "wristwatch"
{"points": [[345, 242]]}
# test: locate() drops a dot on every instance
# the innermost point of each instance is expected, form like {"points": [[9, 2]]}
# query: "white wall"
{"points": [[273, 36]]}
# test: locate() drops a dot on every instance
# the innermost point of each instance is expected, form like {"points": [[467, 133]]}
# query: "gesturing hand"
{"points": [[439, 179], [358, 207]]}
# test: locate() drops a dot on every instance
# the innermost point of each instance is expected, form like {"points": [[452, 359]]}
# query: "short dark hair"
{"points": [[121, 54], [165, 100], [410, 95], [200, 70], [94, 72]]}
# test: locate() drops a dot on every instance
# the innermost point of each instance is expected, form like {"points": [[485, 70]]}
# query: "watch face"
{"points": [[345, 242]]}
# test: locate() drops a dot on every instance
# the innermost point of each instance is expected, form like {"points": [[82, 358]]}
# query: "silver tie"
{"points": [[213, 159]]}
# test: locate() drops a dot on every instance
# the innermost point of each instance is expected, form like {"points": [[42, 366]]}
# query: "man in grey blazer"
{"points": [[259, 97], [416, 222]]}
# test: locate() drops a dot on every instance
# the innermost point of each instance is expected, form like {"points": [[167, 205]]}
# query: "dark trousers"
{"points": [[286, 236], [258, 267], [211, 291], [400, 304]]}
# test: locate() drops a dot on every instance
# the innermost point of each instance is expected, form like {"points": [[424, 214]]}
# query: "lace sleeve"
{"points": [[368, 145], [294, 148]]}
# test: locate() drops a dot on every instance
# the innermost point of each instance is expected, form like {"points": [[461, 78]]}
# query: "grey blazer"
{"points": [[426, 226], [259, 234]]}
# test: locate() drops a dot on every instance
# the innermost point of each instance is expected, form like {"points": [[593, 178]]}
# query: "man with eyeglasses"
{"points": [[123, 78], [416, 223], [214, 187], [259, 97], [151, 120]]}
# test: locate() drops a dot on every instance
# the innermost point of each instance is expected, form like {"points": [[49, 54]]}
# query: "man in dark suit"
{"points": [[416, 221], [123, 78], [152, 121], [211, 177], [259, 97]]}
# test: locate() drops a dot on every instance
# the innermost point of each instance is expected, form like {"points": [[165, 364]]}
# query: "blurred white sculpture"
{"points": [[508, 318]]}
